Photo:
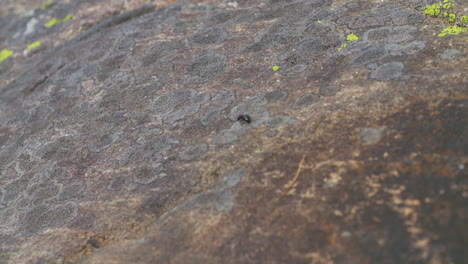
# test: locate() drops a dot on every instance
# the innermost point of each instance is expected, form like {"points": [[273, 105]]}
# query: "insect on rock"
{"points": [[244, 118]]}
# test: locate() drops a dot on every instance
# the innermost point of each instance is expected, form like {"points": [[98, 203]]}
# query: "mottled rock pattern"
{"points": [[120, 140]]}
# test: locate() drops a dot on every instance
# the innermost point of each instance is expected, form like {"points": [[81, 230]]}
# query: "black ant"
{"points": [[245, 118]]}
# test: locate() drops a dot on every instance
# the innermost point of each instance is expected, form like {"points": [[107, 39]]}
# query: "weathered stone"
{"points": [[121, 142]]}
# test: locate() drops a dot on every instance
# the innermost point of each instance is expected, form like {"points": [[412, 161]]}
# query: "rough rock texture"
{"points": [[119, 138]]}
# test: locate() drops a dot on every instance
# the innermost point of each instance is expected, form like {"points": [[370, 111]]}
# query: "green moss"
{"points": [[275, 68], [4, 54], [351, 37], [33, 45], [452, 30], [319, 21], [432, 10], [51, 22]]}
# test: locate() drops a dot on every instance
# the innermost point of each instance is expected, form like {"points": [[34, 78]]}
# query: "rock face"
{"points": [[120, 140]]}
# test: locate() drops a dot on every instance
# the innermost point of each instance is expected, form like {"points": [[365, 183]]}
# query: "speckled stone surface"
{"points": [[120, 140]]}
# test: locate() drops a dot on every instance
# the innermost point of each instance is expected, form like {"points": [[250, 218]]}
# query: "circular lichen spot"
{"points": [[206, 67], [116, 183], [72, 189], [209, 37], [194, 152], [329, 90], [42, 217], [161, 52], [370, 55], [147, 174], [306, 100], [279, 120], [388, 71]]}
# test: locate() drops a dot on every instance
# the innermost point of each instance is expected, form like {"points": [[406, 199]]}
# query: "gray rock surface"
{"points": [[120, 140]]}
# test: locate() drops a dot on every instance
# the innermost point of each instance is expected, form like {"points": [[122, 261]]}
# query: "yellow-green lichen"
{"points": [[342, 46], [431, 10], [451, 18], [351, 37], [47, 5], [4, 54], [319, 21], [33, 45], [452, 30], [54, 21], [68, 17], [51, 22], [275, 68], [464, 20], [447, 6]]}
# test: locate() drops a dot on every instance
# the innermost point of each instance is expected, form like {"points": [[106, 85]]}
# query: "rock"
{"points": [[120, 140]]}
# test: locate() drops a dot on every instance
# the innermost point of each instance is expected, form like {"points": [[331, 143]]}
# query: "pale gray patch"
{"points": [[405, 49], [161, 52], [402, 34], [353, 47], [15, 188], [124, 44], [272, 133], [148, 174], [43, 217], [230, 135], [193, 152], [7, 216], [450, 54], [72, 189], [258, 113], [218, 102], [209, 117], [221, 200], [116, 183], [369, 55], [298, 68], [104, 142], [388, 71], [329, 90], [192, 107], [377, 34], [224, 201], [277, 95], [421, 3], [371, 135], [404, 17], [306, 100], [235, 177], [211, 36], [23, 203], [372, 66], [206, 67], [41, 192], [222, 100], [253, 107], [280, 120], [166, 103]]}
